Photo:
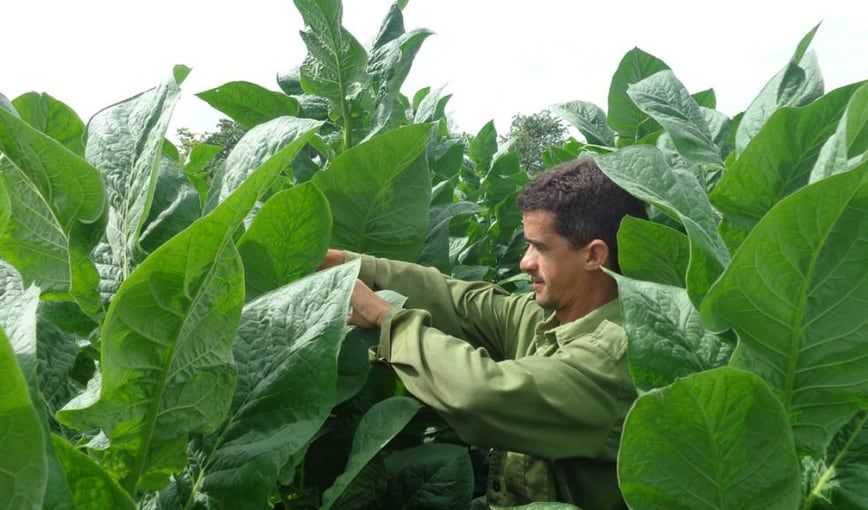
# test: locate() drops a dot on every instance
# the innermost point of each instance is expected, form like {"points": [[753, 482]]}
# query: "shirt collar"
{"points": [[610, 311]]}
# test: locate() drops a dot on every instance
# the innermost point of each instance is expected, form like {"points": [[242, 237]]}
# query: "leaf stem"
{"points": [[830, 470]]}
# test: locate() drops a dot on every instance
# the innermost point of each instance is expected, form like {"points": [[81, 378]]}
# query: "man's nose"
{"points": [[528, 261]]}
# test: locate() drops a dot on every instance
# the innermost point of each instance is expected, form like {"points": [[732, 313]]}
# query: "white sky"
{"points": [[497, 58]]}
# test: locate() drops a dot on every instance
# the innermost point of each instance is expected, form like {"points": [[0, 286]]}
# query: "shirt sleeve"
{"points": [[558, 406], [480, 313]]}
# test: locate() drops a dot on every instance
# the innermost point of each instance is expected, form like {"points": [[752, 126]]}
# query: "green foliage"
{"points": [[52, 203], [23, 462], [688, 446], [529, 135], [197, 362]]}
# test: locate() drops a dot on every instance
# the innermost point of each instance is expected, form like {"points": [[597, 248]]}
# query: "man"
{"points": [[541, 378]]}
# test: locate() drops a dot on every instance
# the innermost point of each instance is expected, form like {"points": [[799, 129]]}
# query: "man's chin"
{"points": [[543, 302]]}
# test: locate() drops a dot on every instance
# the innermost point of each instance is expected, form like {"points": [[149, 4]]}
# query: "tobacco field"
{"points": [[166, 343]]}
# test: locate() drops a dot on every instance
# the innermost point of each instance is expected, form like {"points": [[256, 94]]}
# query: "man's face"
{"points": [[555, 267]]}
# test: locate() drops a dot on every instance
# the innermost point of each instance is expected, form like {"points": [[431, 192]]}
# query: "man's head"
{"points": [[571, 217]]}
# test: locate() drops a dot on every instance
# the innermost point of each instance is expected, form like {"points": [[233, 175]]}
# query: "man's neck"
{"points": [[597, 296]]}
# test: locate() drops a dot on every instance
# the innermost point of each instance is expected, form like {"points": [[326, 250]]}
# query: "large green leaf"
{"points": [[378, 426], [624, 117], [849, 143], [431, 476], [778, 160], [124, 142], [666, 337], [249, 104], [256, 146], [286, 351], [52, 117], [797, 84], [23, 465], [175, 206], [92, 487], [287, 239], [714, 440], [53, 204], [665, 99], [652, 252], [166, 358], [589, 119], [795, 293], [642, 171], [379, 193], [335, 64]]}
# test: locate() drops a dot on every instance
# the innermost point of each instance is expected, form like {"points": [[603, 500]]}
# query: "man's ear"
{"points": [[597, 255]]}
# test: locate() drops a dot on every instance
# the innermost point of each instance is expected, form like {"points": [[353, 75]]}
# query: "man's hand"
{"points": [[332, 258], [368, 308]]}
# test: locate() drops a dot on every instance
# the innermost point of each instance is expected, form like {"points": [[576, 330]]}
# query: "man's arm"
{"points": [[478, 312], [563, 404]]}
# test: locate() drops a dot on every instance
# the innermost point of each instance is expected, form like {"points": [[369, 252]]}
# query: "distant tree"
{"points": [[531, 134], [227, 135]]}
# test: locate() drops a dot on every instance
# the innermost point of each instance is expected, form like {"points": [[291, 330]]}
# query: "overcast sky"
{"points": [[497, 58]]}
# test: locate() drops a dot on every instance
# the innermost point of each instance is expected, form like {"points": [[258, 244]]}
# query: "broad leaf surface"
{"points": [[795, 293], [666, 337], [255, 147], [797, 84], [175, 206], [23, 465], [287, 239], [92, 487], [249, 104], [642, 171], [849, 142], [53, 202], [56, 353], [124, 142], [778, 160], [665, 99], [624, 117], [354, 364], [653, 252], [714, 440], [166, 359], [377, 427], [379, 193], [589, 119], [286, 352], [52, 117], [431, 476]]}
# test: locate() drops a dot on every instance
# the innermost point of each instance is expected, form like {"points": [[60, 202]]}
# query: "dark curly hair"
{"points": [[587, 205]]}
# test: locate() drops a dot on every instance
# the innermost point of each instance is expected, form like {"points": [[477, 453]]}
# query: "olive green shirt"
{"points": [[548, 398]]}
